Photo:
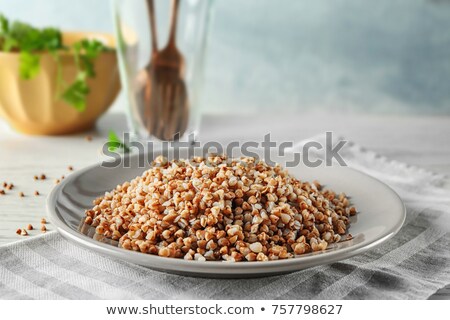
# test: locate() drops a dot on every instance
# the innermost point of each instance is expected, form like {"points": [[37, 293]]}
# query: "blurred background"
{"points": [[389, 56]]}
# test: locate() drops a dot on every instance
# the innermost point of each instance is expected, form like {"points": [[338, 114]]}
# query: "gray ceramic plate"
{"points": [[381, 215]]}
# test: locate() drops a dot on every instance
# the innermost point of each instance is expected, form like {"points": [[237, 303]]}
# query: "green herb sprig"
{"points": [[114, 143], [29, 42], [85, 53]]}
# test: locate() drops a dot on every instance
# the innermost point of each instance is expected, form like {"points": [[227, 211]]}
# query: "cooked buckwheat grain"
{"points": [[217, 208]]}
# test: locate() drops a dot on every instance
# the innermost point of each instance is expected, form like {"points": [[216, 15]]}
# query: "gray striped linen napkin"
{"points": [[412, 265]]}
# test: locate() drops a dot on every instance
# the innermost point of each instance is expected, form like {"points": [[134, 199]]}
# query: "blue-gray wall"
{"points": [[376, 56]]}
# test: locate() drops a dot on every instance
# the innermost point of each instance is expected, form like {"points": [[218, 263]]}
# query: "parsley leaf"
{"points": [[51, 39], [88, 51], [115, 143], [29, 65], [85, 52], [6, 41], [76, 93], [27, 37], [8, 44], [4, 25]]}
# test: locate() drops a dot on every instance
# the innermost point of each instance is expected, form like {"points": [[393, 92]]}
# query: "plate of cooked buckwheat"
{"points": [[217, 216]]}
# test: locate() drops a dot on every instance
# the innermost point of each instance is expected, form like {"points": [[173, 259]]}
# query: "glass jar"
{"points": [[161, 51]]}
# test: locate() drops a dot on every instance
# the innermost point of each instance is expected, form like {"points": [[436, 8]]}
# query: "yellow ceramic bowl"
{"points": [[32, 106]]}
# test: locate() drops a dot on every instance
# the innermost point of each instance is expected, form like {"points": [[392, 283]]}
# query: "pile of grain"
{"points": [[217, 208]]}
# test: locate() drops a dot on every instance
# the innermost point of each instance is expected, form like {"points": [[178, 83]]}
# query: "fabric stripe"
{"points": [[313, 285], [431, 273], [343, 287], [79, 284], [40, 278], [9, 293], [150, 284], [17, 280], [89, 285]]}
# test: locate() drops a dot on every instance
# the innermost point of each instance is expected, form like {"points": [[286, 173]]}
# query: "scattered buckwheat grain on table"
{"points": [[218, 208]]}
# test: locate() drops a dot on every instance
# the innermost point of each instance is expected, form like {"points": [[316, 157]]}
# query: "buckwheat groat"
{"points": [[218, 208]]}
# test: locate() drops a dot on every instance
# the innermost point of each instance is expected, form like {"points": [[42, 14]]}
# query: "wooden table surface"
{"points": [[418, 140]]}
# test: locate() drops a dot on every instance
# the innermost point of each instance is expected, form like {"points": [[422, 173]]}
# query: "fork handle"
{"points": [[173, 22], [151, 13]]}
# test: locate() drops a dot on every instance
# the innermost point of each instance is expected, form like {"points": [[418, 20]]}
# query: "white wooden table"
{"points": [[422, 141]]}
